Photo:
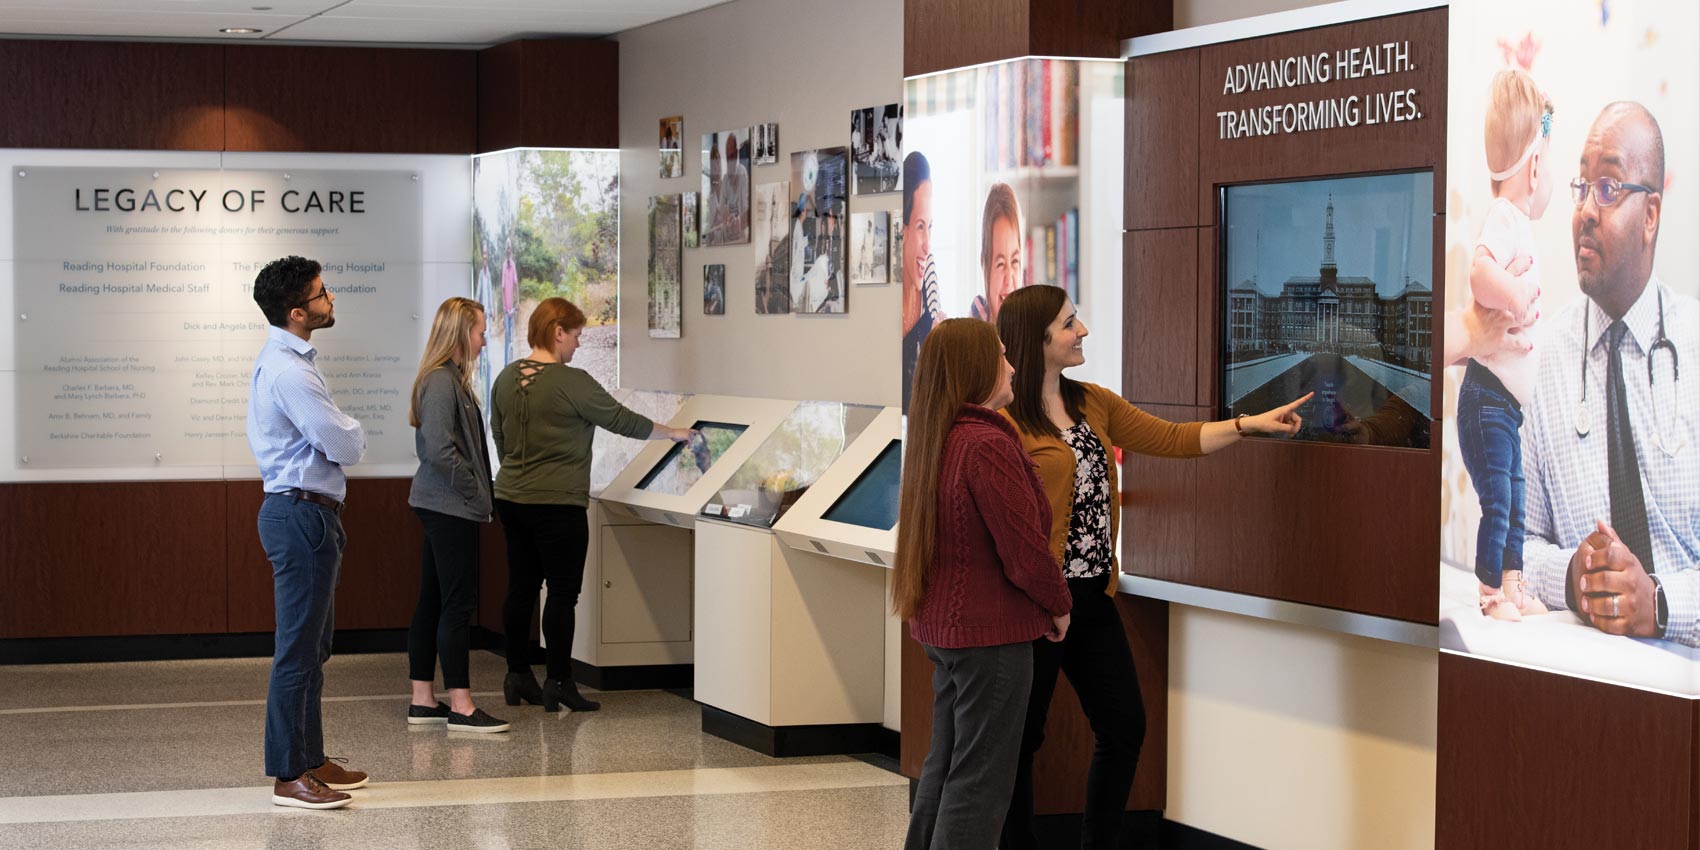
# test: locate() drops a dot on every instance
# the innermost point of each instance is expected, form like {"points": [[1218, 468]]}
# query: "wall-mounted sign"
{"points": [[1382, 105], [134, 322]]}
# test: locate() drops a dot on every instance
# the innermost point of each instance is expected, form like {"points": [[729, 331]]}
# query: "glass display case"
{"points": [[790, 461]]}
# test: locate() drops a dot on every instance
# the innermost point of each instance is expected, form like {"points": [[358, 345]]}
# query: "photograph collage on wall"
{"points": [[689, 224], [665, 262], [771, 206], [869, 242], [672, 147], [764, 144], [725, 188], [876, 146], [714, 289], [545, 223], [818, 244], [1570, 522], [895, 256]]}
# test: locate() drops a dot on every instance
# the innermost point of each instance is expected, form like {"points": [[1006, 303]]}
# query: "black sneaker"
{"points": [[477, 721], [418, 714]]}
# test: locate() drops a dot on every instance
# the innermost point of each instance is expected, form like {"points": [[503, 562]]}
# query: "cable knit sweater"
{"points": [[993, 580]]}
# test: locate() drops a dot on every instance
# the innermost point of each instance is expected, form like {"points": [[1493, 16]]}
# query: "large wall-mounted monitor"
{"points": [[1327, 287], [684, 464], [789, 462], [871, 502]]}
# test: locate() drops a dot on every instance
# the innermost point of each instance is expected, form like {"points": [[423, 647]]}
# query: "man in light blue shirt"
{"points": [[302, 442]]}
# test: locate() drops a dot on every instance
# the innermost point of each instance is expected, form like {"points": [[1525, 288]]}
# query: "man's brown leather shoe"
{"points": [[307, 792], [338, 777]]}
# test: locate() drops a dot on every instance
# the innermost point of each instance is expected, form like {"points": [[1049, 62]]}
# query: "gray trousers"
{"points": [[979, 705]]}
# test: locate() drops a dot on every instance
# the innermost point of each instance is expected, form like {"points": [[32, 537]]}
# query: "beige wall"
{"points": [[1197, 13], [1284, 736], [804, 64]]}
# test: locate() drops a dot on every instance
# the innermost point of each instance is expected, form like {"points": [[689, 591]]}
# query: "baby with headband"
{"points": [[1505, 276]]}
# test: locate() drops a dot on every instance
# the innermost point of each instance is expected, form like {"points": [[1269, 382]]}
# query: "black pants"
{"points": [[1099, 665], [545, 543], [448, 594]]}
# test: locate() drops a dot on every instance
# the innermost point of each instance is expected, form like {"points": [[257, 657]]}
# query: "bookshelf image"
{"points": [[1052, 131]]}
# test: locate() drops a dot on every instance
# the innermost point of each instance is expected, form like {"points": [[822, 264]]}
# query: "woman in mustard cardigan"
{"points": [[1069, 429]]}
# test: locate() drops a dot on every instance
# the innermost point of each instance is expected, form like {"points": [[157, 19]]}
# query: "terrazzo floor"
{"points": [[168, 754]]}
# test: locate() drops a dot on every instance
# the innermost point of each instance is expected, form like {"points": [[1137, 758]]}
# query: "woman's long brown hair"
{"points": [[958, 364], [1024, 323]]}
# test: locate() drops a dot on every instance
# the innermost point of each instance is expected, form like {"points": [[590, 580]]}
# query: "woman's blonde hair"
{"points": [[450, 342]]}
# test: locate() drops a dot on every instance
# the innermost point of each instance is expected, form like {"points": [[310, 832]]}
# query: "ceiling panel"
{"points": [[458, 22]]}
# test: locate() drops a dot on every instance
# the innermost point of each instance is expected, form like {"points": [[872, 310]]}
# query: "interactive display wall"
{"points": [[1571, 488], [134, 328]]}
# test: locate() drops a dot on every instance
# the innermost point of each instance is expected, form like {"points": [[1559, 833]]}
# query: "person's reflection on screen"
{"points": [[1395, 423]]}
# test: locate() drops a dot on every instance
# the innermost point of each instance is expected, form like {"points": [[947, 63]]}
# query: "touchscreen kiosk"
{"points": [[611, 452], [785, 466], [668, 482], [851, 512]]}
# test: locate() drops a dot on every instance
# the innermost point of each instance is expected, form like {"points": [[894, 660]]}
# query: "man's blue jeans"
{"points": [[304, 542], [1488, 419]]}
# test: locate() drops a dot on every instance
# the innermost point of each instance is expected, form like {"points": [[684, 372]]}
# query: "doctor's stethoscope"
{"points": [[1670, 443]]}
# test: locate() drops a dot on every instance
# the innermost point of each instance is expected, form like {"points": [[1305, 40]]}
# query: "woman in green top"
{"points": [[543, 414]]}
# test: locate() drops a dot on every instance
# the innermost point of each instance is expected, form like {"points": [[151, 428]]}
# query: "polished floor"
{"points": [[167, 755]]}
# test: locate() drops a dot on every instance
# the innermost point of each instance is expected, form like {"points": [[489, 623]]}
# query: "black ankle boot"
{"points": [[559, 692], [522, 686]]}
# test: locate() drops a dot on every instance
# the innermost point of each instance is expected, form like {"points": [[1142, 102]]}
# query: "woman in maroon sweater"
{"points": [[975, 578]]}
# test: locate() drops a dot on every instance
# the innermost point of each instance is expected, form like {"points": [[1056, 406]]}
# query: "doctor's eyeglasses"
{"points": [[1606, 190]]}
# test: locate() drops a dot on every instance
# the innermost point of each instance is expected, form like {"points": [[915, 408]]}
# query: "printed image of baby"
{"points": [[1505, 276]]}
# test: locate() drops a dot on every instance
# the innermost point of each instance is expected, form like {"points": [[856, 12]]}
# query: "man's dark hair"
{"points": [[282, 285]]}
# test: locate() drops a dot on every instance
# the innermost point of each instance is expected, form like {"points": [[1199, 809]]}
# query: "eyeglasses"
{"points": [[322, 293], [1607, 191]]}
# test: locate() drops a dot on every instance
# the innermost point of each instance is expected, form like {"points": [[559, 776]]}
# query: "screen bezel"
{"points": [[1224, 308], [896, 444]]}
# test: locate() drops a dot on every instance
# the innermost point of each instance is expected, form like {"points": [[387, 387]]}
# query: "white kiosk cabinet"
{"points": [[790, 644], [640, 571]]}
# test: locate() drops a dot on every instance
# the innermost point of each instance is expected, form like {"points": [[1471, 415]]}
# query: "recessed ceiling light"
{"points": [[239, 30]]}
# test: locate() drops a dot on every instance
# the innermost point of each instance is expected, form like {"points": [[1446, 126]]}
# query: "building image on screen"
{"points": [[871, 501], [1328, 288], [684, 463]]}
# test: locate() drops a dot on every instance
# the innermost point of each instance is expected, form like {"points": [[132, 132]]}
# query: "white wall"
{"points": [[804, 64], [1284, 736]]}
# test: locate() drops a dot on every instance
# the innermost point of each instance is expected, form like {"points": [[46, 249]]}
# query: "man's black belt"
{"points": [[316, 498]]}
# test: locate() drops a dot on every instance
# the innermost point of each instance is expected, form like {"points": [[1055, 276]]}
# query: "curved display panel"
{"points": [[789, 462], [871, 502]]}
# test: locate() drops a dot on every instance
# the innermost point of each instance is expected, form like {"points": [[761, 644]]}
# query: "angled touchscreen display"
{"points": [[871, 502], [683, 464]]}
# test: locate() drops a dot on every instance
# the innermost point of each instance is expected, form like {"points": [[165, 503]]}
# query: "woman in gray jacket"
{"points": [[451, 495]]}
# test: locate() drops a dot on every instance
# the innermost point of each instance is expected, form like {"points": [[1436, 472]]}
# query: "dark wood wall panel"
{"points": [[1581, 764], [1209, 319], [1059, 770], [86, 94], [1380, 147], [121, 558], [939, 35], [1162, 141], [1078, 28], [340, 100], [1159, 497], [1338, 526], [524, 85], [1160, 319], [380, 568]]}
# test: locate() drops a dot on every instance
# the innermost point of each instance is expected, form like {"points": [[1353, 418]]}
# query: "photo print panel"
{"points": [[896, 255], [876, 145], [665, 261], [818, 224], [1329, 290], [726, 188], [714, 289], [764, 148], [690, 226], [869, 245], [1527, 87], [771, 223], [672, 147]]}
